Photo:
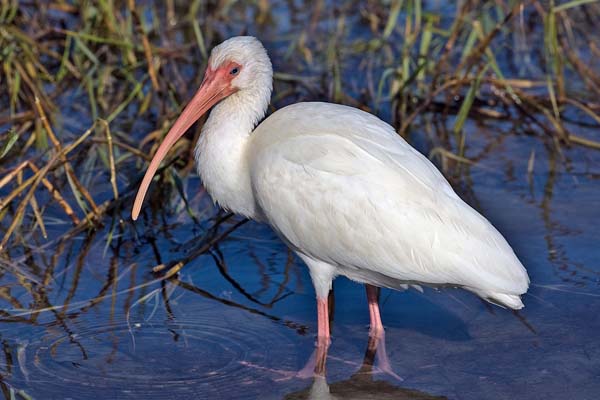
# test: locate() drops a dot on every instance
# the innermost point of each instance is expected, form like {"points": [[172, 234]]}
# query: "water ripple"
{"points": [[206, 357]]}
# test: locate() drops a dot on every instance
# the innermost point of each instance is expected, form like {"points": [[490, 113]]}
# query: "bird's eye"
{"points": [[234, 71]]}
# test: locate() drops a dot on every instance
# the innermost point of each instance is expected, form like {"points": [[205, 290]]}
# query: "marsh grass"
{"points": [[90, 88]]}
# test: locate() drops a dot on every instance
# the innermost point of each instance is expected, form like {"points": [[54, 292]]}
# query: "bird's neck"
{"points": [[221, 151]]}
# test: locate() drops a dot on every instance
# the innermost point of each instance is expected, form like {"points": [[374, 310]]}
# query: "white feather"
{"points": [[348, 194]]}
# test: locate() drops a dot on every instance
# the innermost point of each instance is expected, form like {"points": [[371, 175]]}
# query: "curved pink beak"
{"points": [[214, 88]]}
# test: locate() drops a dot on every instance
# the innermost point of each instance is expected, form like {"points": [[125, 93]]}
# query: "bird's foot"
{"points": [[376, 332], [382, 362], [323, 341], [314, 367], [384, 367]]}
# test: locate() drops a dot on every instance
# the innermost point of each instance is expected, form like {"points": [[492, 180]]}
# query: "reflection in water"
{"points": [[205, 352], [301, 329], [361, 385], [77, 337]]}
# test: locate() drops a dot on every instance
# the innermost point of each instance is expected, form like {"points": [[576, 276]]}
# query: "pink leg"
{"points": [[373, 298], [316, 363], [323, 337], [376, 351]]}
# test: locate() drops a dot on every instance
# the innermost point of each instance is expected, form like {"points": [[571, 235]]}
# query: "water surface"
{"points": [[84, 317]]}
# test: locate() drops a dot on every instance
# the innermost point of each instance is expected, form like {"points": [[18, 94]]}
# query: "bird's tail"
{"points": [[508, 300]]}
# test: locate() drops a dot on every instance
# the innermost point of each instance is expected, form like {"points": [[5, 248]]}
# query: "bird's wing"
{"points": [[341, 187]]}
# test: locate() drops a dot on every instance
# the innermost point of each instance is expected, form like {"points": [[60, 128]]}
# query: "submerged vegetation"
{"points": [[110, 63], [90, 88]]}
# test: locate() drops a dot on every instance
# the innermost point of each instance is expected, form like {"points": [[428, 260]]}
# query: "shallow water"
{"points": [[240, 319]]}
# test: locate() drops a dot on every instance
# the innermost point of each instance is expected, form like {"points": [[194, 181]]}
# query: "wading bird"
{"points": [[340, 187]]}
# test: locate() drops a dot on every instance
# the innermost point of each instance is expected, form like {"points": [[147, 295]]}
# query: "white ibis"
{"points": [[340, 187]]}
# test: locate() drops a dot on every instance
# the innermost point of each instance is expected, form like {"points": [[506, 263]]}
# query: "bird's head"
{"points": [[241, 61], [238, 67]]}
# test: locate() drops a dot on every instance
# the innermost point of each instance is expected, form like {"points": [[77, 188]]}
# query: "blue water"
{"points": [[84, 317]]}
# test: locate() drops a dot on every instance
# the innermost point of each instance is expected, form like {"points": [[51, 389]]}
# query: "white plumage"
{"points": [[343, 190]]}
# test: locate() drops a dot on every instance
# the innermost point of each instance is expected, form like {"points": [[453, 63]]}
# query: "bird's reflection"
{"points": [[361, 384]]}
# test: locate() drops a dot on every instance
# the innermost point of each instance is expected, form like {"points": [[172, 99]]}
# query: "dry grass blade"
{"points": [[131, 66], [584, 142], [12, 139], [56, 195], [475, 55], [77, 187], [111, 158], [36, 180], [126, 147], [178, 265], [10, 176], [466, 106], [572, 4], [145, 43], [38, 216]]}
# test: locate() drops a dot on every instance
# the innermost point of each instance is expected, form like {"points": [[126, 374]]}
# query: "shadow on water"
{"points": [[429, 318], [362, 383]]}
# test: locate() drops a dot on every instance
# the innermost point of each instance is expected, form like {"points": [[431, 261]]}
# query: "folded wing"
{"points": [[341, 186]]}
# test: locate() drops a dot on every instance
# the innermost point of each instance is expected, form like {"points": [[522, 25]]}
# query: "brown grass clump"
{"points": [[89, 91]]}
